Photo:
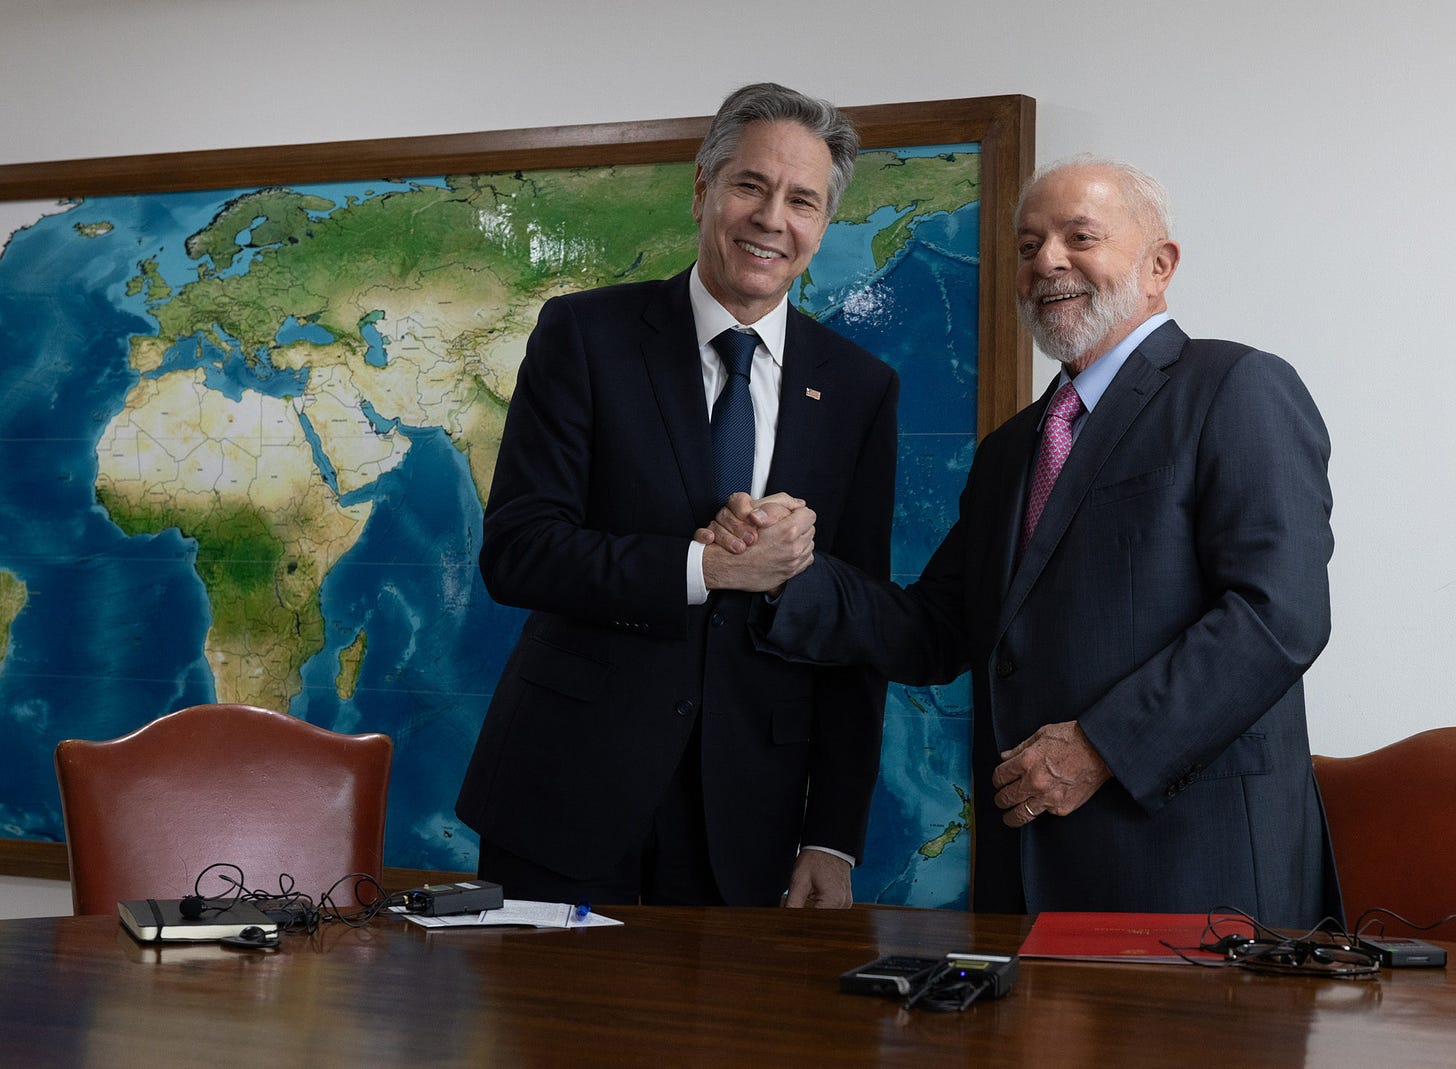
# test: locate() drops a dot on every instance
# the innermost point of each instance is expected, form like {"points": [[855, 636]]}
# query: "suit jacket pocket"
{"points": [[1247, 755], [1125, 488], [563, 671]]}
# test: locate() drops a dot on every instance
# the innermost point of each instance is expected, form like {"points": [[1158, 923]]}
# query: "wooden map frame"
{"points": [[1003, 126]]}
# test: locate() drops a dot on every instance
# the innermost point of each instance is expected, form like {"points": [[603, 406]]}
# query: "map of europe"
{"points": [[247, 436]]}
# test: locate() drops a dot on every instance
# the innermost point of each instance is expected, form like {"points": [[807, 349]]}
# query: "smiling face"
{"points": [[1091, 267], [761, 217]]}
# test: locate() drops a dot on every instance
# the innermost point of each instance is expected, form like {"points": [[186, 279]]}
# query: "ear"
{"points": [[1162, 262], [700, 192]]}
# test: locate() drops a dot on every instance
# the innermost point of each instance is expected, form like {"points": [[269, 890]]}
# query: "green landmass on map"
{"points": [[148, 282], [937, 846], [13, 596], [913, 187], [264, 592], [475, 252], [452, 277], [269, 217], [351, 659]]}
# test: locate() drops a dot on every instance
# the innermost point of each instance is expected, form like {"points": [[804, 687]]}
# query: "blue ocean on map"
{"points": [[112, 633]]}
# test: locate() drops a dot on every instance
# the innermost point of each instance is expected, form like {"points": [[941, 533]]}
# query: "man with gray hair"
{"points": [[1137, 583], [638, 748]]}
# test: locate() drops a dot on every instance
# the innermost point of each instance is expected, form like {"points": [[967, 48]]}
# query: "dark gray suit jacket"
{"points": [[605, 471], [1170, 600]]}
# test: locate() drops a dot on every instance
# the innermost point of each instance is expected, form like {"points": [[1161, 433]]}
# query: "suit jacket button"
{"points": [[1005, 666], [685, 707], [717, 619]]}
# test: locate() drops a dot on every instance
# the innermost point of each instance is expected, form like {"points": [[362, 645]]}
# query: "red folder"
{"points": [[1139, 937]]}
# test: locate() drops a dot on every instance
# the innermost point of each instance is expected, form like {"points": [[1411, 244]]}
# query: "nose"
{"points": [[769, 214], [1050, 258]]}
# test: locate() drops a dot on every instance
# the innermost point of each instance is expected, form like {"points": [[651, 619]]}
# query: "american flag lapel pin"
{"points": [[811, 393]]}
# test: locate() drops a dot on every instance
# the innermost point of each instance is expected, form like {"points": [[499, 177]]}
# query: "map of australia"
{"points": [[295, 404]]}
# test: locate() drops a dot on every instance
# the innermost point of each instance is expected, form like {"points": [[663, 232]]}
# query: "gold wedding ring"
{"points": [[1029, 814]]}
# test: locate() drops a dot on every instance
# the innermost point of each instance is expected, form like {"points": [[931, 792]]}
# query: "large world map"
{"points": [[246, 437]]}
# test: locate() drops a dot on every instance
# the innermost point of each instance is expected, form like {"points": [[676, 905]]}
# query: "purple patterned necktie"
{"points": [[1056, 443]]}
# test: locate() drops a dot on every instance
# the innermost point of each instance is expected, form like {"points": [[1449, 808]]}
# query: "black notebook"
{"points": [[160, 920]]}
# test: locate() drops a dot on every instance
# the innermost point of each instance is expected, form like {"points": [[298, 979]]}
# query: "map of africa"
{"points": [[247, 436]]}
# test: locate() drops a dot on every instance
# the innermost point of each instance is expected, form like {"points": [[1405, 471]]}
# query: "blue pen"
{"points": [[581, 912]]}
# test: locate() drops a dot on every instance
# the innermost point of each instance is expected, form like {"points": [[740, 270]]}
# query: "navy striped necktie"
{"points": [[733, 434]]}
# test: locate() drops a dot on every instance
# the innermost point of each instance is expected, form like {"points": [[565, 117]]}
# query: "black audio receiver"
{"points": [[438, 900]]}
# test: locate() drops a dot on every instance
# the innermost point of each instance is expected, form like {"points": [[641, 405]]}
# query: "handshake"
{"points": [[757, 545]]}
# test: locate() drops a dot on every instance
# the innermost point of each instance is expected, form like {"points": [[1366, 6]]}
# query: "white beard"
{"points": [[1068, 339]]}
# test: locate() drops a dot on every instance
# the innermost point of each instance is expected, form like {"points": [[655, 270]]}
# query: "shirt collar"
{"points": [[1092, 381], [711, 319]]}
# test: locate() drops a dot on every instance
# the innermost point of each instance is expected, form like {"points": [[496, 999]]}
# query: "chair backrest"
{"points": [[1392, 815], [147, 812]]}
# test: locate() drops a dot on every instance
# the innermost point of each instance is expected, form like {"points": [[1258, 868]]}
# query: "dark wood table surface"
{"points": [[673, 987]]}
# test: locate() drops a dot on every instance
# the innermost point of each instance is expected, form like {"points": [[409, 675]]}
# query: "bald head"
{"points": [[1095, 256], [1142, 194]]}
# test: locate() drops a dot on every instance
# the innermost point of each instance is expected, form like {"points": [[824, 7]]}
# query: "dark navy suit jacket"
{"points": [[605, 471], [1170, 600]]}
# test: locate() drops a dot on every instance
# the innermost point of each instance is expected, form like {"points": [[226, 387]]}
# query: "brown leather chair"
{"points": [[147, 812], [1392, 815]]}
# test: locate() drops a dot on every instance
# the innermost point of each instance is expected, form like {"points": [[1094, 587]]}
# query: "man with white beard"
{"points": [[1137, 583]]}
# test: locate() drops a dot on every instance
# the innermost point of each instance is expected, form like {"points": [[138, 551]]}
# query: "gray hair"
{"points": [[770, 102], [1144, 194]]}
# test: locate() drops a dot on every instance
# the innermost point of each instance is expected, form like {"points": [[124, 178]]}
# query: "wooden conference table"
{"points": [[673, 987]]}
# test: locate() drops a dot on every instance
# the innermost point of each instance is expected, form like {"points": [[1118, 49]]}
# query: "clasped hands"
{"points": [[757, 545], [760, 545]]}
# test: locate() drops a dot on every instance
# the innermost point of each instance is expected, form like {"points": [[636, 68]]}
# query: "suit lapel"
{"points": [[806, 396], [670, 351], [1139, 378]]}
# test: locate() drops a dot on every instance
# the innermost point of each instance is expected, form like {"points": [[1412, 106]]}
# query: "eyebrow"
{"points": [[760, 177]]}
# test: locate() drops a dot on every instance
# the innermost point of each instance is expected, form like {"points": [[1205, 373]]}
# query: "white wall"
{"points": [[1308, 153]]}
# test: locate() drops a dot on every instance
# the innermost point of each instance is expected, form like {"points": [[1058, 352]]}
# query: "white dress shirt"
{"points": [[711, 319]]}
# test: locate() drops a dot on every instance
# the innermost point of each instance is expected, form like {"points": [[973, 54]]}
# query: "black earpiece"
{"points": [[191, 907], [252, 938], [1229, 943]]}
